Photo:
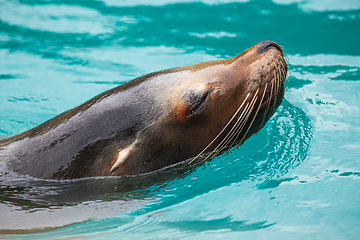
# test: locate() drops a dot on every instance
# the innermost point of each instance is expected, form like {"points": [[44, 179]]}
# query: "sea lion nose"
{"points": [[266, 45]]}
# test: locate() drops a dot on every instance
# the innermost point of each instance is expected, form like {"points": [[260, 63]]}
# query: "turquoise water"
{"points": [[298, 178]]}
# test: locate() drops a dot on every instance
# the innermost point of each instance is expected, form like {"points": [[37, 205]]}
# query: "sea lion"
{"points": [[157, 120]]}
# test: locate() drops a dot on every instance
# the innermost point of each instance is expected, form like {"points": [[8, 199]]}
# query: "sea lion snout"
{"points": [[266, 45]]}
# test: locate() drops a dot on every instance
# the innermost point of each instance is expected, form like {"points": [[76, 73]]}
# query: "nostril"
{"points": [[266, 45]]}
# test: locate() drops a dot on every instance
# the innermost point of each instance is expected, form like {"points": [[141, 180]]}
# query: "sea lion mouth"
{"points": [[265, 93]]}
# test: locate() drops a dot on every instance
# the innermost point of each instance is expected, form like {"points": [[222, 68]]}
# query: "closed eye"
{"points": [[198, 103]]}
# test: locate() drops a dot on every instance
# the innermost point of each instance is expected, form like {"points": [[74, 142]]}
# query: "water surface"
{"points": [[298, 178]]}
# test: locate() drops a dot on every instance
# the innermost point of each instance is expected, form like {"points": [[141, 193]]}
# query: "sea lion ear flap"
{"points": [[122, 155]]}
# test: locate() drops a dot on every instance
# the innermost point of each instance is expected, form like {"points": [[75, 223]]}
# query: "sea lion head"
{"points": [[205, 109]]}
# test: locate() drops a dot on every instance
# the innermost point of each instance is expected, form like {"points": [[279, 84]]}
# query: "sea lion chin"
{"points": [[190, 113]]}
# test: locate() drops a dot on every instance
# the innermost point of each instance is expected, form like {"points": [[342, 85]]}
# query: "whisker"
{"points": [[242, 127], [229, 137], [217, 136], [272, 92], [284, 64], [241, 122], [274, 85], [257, 111], [277, 87], [267, 105]]}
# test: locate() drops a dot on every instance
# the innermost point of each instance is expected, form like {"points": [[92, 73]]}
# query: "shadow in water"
{"points": [[215, 225]]}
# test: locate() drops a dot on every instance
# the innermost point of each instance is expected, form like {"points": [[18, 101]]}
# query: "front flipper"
{"points": [[122, 155]]}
